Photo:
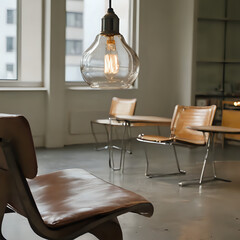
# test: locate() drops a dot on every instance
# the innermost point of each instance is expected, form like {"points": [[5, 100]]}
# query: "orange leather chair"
{"points": [[60, 205], [183, 117], [119, 106], [231, 118]]}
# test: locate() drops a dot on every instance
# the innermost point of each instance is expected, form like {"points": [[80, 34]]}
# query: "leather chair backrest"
{"points": [[16, 129], [184, 116], [122, 106]]}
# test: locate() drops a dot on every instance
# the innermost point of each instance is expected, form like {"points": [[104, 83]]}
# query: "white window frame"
{"points": [[133, 42], [23, 81]]}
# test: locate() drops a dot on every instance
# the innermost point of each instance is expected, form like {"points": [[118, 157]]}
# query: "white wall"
{"points": [[166, 40], [182, 50], [30, 104], [165, 51]]}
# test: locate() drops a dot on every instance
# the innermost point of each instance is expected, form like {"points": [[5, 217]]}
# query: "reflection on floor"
{"points": [[181, 213]]}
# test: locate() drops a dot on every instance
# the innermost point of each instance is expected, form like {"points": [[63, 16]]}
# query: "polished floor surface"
{"points": [[209, 212]]}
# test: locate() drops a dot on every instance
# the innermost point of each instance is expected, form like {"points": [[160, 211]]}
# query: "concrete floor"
{"points": [[209, 212]]}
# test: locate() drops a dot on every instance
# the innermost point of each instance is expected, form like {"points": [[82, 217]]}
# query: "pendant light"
{"points": [[109, 63]]}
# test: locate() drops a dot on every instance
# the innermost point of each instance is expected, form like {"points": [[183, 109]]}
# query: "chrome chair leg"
{"points": [[107, 132], [123, 150], [94, 136], [129, 132], [107, 146], [214, 169], [201, 180], [204, 162], [213, 162], [152, 175], [215, 172], [111, 147], [147, 174], [178, 165]]}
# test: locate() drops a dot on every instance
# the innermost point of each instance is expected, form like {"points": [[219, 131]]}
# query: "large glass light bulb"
{"points": [[109, 63]]}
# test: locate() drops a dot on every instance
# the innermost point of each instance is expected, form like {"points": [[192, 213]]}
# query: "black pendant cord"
{"points": [[110, 3]]}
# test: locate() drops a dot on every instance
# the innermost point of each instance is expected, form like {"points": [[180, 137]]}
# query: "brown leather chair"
{"points": [[183, 117], [119, 106], [60, 205]]}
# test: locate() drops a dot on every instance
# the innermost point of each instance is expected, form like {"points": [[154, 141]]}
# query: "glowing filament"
{"points": [[111, 64]]}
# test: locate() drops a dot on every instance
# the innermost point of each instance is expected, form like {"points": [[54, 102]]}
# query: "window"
{"points": [[8, 36], [9, 44], [83, 23], [74, 47], [74, 19], [11, 16], [10, 71], [23, 47]]}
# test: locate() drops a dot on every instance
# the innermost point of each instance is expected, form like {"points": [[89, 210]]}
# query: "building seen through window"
{"points": [[8, 36], [21, 28]]}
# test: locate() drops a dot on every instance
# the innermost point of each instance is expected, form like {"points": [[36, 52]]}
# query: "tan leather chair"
{"points": [[60, 205], [119, 106], [230, 118], [183, 117]]}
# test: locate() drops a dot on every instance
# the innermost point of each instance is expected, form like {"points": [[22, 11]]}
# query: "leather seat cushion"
{"points": [[72, 195], [155, 138], [162, 139]]}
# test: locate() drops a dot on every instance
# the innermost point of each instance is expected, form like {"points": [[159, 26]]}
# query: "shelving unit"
{"points": [[218, 53]]}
